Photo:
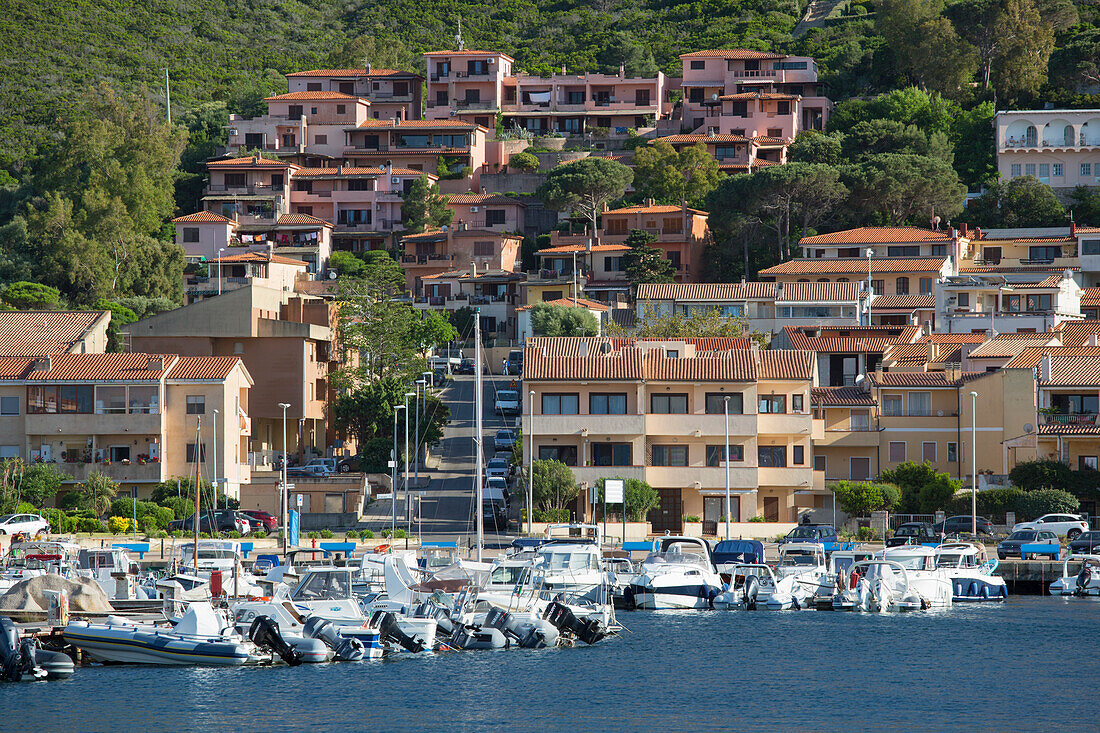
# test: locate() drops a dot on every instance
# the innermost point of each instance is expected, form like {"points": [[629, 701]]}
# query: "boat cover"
{"points": [[738, 551]]}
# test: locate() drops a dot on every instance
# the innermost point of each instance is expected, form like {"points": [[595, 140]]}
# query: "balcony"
{"points": [[595, 424], [591, 474], [707, 477], [120, 472], [1068, 418], [432, 259], [797, 476], [462, 104], [848, 439], [708, 426], [69, 424], [255, 189], [790, 424], [1082, 144]]}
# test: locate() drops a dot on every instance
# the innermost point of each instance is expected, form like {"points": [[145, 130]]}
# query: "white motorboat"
{"points": [[1085, 583], [301, 632], [972, 575], [802, 572], [203, 636], [573, 570], [749, 583], [32, 558], [679, 573], [901, 578]]}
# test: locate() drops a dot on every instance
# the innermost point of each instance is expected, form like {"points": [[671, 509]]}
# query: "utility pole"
{"points": [[167, 96]]}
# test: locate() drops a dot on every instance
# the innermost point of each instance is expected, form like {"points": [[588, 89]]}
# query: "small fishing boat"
{"points": [[203, 636], [749, 584], [1085, 583], [24, 660], [803, 570]]}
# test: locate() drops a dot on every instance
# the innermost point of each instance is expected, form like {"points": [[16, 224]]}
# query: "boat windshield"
{"points": [[568, 560], [211, 554], [955, 560], [798, 559], [909, 562], [507, 574], [324, 587], [670, 558]]}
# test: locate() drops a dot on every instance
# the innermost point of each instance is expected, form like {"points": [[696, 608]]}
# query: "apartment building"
{"points": [[454, 248], [655, 410], [249, 190], [752, 94], [845, 354], [573, 104], [288, 342], [888, 276], [241, 270], [1060, 147], [595, 271], [136, 418], [466, 84], [488, 211], [973, 302], [390, 92], [37, 333], [494, 293], [419, 145], [734, 153], [766, 306], [903, 310]]}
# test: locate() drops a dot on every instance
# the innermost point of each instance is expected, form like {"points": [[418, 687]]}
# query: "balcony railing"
{"points": [[1069, 418], [426, 259], [464, 104]]}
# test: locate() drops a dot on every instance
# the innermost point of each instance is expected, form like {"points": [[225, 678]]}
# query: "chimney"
{"points": [[389, 171], [1072, 228], [962, 228], [1044, 368], [977, 232], [42, 364], [649, 202], [368, 67], [156, 363], [622, 71], [1091, 340]]}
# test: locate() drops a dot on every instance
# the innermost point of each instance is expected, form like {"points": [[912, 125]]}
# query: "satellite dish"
{"points": [[332, 274], [1029, 428]]}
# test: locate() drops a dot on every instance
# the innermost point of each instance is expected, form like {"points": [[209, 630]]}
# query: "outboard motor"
{"points": [[386, 623], [536, 634], [345, 649], [11, 654], [751, 592], [264, 633], [588, 631], [1083, 579]]}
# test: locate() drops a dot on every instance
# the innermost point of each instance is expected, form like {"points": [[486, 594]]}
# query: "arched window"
{"points": [[1067, 136], [1031, 137], [902, 286], [842, 279], [804, 280], [823, 279]]}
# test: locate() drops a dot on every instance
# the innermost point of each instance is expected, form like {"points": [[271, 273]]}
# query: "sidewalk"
{"points": [[379, 514]]}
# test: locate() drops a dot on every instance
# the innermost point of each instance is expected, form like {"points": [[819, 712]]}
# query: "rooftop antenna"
{"points": [[458, 38]]}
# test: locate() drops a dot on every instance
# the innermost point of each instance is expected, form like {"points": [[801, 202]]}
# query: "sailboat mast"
{"points": [[477, 434], [198, 492]]}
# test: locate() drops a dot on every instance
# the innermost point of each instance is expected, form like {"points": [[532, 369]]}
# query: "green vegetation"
{"points": [[697, 324], [424, 207], [645, 263], [860, 498], [584, 186], [523, 162], [561, 320], [554, 487], [678, 178], [641, 499], [923, 489]]}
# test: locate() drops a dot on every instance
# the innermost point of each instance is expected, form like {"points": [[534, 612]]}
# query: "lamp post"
{"points": [[283, 494], [408, 520], [214, 440], [420, 383], [870, 254], [726, 460], [974, 453], [393, 476], [220, 250], [531, 462]]}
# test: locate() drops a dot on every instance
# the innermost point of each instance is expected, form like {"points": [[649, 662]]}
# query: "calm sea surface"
{"points": [[1030, 664]]}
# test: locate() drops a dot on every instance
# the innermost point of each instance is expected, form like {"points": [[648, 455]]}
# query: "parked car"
{"points": [[466, 366], [1010, 547], [497, 467], [30, 524], [1087, 543], [507, 402], [912, 533], [960, 524], [309, 470], [219, 520], [494, 513], [351, 464], [811, 533], [1060, 524], [514, 363], [504, 439], [261, 519], [497, 487]]}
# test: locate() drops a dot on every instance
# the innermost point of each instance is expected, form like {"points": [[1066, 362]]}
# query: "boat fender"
{"points": [[924, 604], [958, 589], [985, 591], [972, 591], [1083, 579], [853, 580], [628, 597]]}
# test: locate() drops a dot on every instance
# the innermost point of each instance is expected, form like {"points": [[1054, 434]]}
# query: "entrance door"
{"points": [[712, 510], [771, 508], [668, 516]]}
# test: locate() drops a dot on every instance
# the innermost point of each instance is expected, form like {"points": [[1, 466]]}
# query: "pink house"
{"points": [[391, 93], [467, 85], [574, 104], [250, 190], [418, 145], [487, 211]]}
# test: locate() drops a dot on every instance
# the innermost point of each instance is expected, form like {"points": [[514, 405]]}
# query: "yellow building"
{"points": [[655, 410], [137, 418]]}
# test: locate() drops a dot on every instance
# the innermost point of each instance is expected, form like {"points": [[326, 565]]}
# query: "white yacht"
{"points": [[802, 572], [749, 584], [679, 573], [1085, 583], [901, 578], [971, 574]]}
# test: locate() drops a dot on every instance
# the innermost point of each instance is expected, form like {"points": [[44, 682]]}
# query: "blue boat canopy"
{"points": [[734, 551]]}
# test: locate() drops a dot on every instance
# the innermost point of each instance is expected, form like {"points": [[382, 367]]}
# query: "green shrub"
{"points": [[25, 507], [180, 507], [120, 525], [1034, 504], [148, 524], [326, 534], [866, 534], [351, 534], [691, 518], [552, 515], [400, 534], [73, 500], [367, 534], [258, 534], [90, 525], [759, 518], [233, 535], [158, 535], [61, 523], [313, 536], [385, 534]]}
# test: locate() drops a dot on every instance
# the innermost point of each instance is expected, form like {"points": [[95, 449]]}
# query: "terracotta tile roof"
{"points": [[571, 248], [1077, 333], [1030, 357], [479, 199], [766, 140], [840, 397], [1025, 335], [903, 302], [203, 217], [657, 209], [1073, 371], [784, 365], [707, 291], [1090, 297], [468, 52], [35, 333], [259, 257], [986, 269], [291, 220], [1029, 240], [828, 266], [732, 53], [955, 338], [919, 379], [420, 124], [1052, 281], [203, 367], [861, 339], [103, 367], [878, 235], [758, 95], [999, 348], [481, 275], [581, 346], [361, 72], [319, 96], [820, 292], [568, 303], [356, 171], [678, 139], [250, 161], [1078, 429]]}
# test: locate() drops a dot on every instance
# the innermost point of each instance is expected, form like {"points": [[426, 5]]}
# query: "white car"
{"points": [[497, 468], [1060, 524], [507, 402], [30, 524]]}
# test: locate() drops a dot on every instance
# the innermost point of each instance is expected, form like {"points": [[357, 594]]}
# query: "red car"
{"points": [[268, 521]]}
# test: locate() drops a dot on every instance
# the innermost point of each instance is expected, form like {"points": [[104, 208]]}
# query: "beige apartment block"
{"points": [[137, 418], [655, 410], [287, 342]]}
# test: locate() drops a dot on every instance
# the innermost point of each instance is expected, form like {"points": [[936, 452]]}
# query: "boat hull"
{"points": [[107, 645]]}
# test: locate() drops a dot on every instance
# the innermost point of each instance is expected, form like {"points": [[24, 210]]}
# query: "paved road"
{"points": [[447, 501]]}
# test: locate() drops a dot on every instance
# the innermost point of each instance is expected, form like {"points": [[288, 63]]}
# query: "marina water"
{"points": [[1028, 664]]}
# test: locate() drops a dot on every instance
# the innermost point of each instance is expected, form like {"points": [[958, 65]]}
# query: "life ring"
{"points": [[382, 548], [259, 598]]}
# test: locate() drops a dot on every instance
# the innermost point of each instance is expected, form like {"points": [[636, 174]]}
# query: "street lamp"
{"points": [[726, 461], [974, 453], [284, 494], [408, 520], [220, 250], [215, 442], [393, 475], [531, 462], [420, 384]]}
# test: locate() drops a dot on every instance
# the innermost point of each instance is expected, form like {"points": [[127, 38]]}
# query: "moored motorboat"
{"points": [[678, 574], [971, 574], [1085, 583]]}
